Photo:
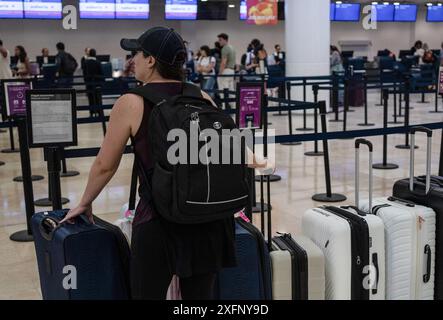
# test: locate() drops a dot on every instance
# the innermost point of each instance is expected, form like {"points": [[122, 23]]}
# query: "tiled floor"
{"points": [[302, 177]]}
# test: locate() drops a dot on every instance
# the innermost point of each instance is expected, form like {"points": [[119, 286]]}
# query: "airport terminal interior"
{"points": [[378, 78]]}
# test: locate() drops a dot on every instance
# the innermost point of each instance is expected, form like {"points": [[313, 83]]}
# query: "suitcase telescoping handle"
{"points": [[368, 143], [428, 157], [262, 203]]}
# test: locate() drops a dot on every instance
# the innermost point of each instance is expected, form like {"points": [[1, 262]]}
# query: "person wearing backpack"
{"points": [[175, 231], [66, 64]]}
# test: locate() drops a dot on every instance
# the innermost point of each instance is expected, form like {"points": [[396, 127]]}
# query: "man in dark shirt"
{"points": [[66, 65], [93, 75]]}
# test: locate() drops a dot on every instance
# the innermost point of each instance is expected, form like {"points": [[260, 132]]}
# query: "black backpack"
{"points": [[191, 192], [70, 64]]}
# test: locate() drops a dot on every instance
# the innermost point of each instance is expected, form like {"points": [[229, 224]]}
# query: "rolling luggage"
{"points": [[80, 261], [426, 191], [353, 244], [410, 248], [251, 279], [298, 269]]}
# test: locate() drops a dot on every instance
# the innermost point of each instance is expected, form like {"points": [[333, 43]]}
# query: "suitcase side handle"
{"points": [[428, 157], [48, 226], [368, 143], [428, 253]]}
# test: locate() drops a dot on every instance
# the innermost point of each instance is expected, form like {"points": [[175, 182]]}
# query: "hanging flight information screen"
{"points": [[181, 10], [43, 9], [51, 118], [132, 9], [11, 9], [97, 9]]}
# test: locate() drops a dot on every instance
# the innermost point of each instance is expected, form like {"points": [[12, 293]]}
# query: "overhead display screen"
{"points": [[181, 10]]}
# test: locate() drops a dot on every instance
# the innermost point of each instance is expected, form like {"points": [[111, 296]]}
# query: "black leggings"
{"points": [[151, 268]]}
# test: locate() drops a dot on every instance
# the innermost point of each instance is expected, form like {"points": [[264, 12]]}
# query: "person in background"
{"points": [[45, 55], [5, 69], [216, 53], [129, 68], [227, 65], [336, 62], [85, 56], [252, 51], [428, 55], [66, 64], [190, 64], [206, 67], [417, 48], [279, 55], [92, 74], [23, 68]]}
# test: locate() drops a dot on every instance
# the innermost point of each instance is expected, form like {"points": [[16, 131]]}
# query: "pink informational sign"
{"points": [[250, 105], [15, 96], [440, 81], [262, 12]]}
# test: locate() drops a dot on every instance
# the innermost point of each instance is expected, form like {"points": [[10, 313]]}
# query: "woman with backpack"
{"points": [[161, 246]]}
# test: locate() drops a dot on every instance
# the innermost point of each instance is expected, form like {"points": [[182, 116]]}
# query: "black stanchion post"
{"points": [[335, 98], [53, 159], [47, 202], [436, 99], [395, 115], [273, 177], [289, 87], [365, 91], [328, 196], [25, 235], [281, 95], [381, 88], [65, 173], [406, 89], [385, 165], [440, 170], [346, 106], [305, 128], [315, 153], [11, 139], [225, 98]]}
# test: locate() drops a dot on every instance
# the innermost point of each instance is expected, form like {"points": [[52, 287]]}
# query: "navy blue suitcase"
{"points": [[99, 252], [251, 279]]}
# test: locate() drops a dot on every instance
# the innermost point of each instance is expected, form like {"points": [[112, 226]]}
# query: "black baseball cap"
{"points": [[164, 44]]}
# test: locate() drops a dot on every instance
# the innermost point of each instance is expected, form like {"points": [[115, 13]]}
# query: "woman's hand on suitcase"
{"points": [[79, 210]]}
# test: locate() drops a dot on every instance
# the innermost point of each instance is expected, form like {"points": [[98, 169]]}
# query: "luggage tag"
{"points": [[243, 216]]}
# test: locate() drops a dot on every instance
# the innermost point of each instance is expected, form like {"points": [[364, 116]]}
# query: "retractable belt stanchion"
{"points": [[335, 98], [423, 98], [289, 87], [53, 159], [25, 235], [346, 105], [281, 95], [395, 114], [272, 177], [407, 86], [436, 98], [365, 90], [385, 165], [11, 139], [440, 169], [315, 153], [65, 172], [381, 89], [305, 128], [328, 196]]}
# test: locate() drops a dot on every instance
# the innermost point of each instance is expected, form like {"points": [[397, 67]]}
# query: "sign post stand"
{"points": [[52, 124], [25, 235], [14, 102]]}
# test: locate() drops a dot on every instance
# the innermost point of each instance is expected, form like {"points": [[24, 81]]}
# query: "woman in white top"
{"points": [[5, 70], [23, 69], [206, 67]]}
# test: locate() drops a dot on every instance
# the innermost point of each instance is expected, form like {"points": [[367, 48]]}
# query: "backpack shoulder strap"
{"points": [[192, 90], [148, 93]]}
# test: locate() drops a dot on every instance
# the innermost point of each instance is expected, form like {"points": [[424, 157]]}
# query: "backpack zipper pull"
{"points": [[195, 117]]}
